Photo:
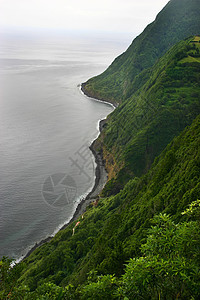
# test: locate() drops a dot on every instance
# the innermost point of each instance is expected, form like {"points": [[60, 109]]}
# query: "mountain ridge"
{"points": [[178, 20], [141, 127]]}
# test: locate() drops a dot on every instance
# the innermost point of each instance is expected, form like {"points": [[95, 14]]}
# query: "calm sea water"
{"points": [[46, 126]]}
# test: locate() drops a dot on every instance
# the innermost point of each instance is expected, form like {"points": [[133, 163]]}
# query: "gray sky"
{"points": [[128, 16]]}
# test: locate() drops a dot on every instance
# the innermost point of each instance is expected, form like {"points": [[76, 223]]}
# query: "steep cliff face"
{"points": [[146, 83], [141, 127], [178, 20]]}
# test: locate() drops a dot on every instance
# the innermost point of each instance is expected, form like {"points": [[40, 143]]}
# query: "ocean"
{"points": [[46, 127]]}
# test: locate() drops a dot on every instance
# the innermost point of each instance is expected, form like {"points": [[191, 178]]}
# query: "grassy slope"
{"points": [[140, 128], [112, 232], [178, 20]]}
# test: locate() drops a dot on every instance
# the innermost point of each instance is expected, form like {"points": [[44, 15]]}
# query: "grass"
{"points": [[197, 38], [190, 59]]}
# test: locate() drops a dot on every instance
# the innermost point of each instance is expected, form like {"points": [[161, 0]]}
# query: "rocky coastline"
{"points": [[93, 96]]}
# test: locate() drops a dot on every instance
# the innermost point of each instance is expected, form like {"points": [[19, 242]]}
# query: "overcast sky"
{"points": [[117, 16]]}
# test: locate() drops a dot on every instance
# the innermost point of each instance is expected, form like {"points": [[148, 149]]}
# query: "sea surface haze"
{"points": [[46, 126]]}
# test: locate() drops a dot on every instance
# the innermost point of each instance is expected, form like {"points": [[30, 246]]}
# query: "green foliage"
{"points": [[169, 268], [8, 279], [177, 21], [193, 210], [5, 275], [154, 85], [102, 288], [48, 291], [170, 265], [140, 128]]}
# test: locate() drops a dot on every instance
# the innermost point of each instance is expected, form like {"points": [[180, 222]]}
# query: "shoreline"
{"points": [[85, 93], [100, 181]]}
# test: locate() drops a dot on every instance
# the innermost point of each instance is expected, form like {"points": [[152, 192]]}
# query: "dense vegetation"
{"points": [[90, 264], [141, 239], [178, 20], [141, 127]]}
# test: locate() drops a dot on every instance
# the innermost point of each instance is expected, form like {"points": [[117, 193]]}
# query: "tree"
{"points": [[170, 265]]}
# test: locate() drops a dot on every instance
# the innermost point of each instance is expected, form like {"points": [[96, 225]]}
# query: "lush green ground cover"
{"points": [[141, 127], [178, 20]]}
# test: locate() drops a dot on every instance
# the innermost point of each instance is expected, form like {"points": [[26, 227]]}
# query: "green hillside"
{"points": [[167, 266], [178, 20], [140, 128]]}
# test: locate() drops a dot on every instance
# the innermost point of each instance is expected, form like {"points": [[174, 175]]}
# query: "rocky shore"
{"points": [[100, 181], [90, 95]]}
